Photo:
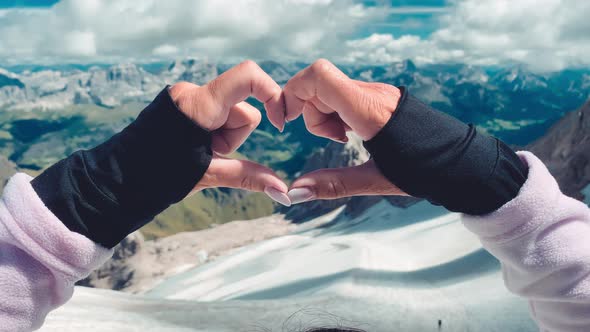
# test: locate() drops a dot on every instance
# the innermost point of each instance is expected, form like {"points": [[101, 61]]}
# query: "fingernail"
{"points": [[277, 196], [300, 195], [343, 140]]}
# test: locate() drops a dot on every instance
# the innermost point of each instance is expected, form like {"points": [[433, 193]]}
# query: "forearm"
{"points": [[431, 155], [110, 191]]}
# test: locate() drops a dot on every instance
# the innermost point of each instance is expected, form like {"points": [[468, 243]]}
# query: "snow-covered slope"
{"points": [[390, 269]]}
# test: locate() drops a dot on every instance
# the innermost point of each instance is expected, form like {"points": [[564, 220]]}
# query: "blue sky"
{"points": [[545, 35], [26, 3], [415, 17]]}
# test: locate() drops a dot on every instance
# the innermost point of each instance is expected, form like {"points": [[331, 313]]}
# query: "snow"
{"points": [[389, 269]]}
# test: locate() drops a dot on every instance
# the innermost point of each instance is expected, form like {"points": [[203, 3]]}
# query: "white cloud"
{"points": [[266, 29], [417, 10], [543, 34]]}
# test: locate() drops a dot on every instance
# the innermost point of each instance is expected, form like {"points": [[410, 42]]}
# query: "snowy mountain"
{"points": [[388, 269]]}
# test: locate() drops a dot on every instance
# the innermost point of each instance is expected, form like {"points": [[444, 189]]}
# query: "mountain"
{"points": [[137, 265], [7, 169], [565, 149], [334, 155], [513, 104], [7, 80], [277, 71], [46, 113], [388, 269]]}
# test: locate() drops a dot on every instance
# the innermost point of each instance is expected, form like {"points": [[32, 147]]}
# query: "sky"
{"points": [[544, 35]]}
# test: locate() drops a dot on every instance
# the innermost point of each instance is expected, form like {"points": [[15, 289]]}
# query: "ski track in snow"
{"points": [[389, 269]]}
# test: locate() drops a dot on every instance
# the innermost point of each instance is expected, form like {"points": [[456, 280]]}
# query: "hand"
{"points": [[219, 107], [332, 104]]}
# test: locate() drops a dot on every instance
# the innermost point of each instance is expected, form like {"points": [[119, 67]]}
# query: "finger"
{"points": [[243, 174], [245, 80], [242, 120], [293, 104], [321, 106], [362, 180], [326, 82], [324, 125]]}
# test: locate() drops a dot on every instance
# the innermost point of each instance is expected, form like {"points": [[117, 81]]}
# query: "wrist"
{"points": [[389, 100], [185, 96]]}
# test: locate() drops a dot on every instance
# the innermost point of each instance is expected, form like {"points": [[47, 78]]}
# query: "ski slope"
{"points": [[389, 269]]}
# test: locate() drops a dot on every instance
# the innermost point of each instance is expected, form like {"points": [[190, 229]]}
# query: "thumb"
{"points": [[244, 174], [334, 183]]}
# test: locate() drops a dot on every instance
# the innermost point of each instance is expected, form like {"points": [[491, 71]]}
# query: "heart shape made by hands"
{"points": [[331, 104]]}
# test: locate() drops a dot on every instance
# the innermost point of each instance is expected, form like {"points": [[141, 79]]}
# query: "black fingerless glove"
{"points": [[429, 154], [114, 189]]}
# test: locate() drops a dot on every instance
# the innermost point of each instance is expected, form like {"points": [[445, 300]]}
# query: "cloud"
{"points": [[417, 10], [264, 29], [545, 35]]}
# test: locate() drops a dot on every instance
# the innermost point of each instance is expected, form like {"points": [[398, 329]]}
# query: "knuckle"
{"points": [[335, 188], [321, 67], [246, 183], [249, 66], [212, 88], [212, 91]]}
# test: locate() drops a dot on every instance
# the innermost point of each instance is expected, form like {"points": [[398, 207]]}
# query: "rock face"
{"points": [[7, 169], [190, 70], [565, 149], [108, 87], [118, 272], [137, 265], [334, 155]]}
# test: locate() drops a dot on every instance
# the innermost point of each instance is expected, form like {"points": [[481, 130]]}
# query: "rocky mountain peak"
{"points": [[405, 66], [7, 169], [334, 155], [190, 70], [565, 149], [125, 72], [277, 71]]}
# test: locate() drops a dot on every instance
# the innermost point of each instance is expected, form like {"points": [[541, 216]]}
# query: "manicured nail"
{"points": [[300, 195], [277, 196]]}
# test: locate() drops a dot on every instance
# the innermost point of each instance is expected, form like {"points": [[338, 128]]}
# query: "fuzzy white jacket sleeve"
{"points": [[542, 239], [40, 259]]}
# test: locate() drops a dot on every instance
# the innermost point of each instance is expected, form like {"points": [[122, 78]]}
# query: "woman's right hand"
{"points": [[220, 108], [332, 104]]}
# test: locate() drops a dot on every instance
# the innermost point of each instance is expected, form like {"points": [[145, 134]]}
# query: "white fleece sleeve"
{"points": [[542, 239], [40, 259]]}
